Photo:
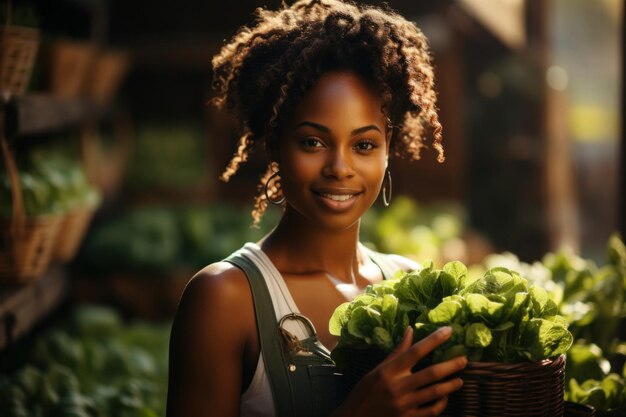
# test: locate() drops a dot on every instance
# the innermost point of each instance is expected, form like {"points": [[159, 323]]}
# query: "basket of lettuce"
{"points": [[72, 195], [510, 331], [48, 194], [28, 222]]}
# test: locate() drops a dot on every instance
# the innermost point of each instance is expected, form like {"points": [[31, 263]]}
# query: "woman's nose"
{"points": [[339, 165]]}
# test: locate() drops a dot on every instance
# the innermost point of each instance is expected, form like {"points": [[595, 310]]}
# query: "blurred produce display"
{"points": [[592, 298], [434, 232], [52, 181], [93, 365], [162, 239], [167, 156], [590, 380]]}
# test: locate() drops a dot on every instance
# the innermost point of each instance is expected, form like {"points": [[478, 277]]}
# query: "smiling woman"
{"points": [[331, 90]]}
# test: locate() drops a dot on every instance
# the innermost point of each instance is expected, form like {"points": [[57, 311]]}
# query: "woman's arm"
{"points": [[209, 334]]}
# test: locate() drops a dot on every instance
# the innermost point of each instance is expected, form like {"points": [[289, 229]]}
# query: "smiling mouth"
{"points": [[337, 200], [337, 197]]}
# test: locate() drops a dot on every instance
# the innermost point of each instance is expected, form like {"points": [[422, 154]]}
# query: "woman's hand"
{"points": [[391, 389]]}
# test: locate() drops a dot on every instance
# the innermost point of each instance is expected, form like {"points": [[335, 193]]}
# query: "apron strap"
{"points": [[269, 337], [383, 262], [274, 356]]}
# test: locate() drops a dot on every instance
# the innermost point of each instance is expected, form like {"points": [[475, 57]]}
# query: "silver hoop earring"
{"points": [[267, 196], [387, 189]]}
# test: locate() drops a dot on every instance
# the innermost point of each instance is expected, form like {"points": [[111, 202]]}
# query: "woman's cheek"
{"points": [[302, 169]]}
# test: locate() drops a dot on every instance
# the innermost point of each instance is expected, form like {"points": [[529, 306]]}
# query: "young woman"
{"points": [[330, 90]]}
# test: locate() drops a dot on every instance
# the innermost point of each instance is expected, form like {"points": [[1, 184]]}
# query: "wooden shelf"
{"points": [[39, 113], [23, 306]]}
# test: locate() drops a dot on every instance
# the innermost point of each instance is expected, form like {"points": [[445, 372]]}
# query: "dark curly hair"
{"points": [[261, 74]]}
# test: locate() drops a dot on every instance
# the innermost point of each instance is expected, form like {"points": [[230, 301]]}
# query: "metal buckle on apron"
{"points": [[294, 345]]}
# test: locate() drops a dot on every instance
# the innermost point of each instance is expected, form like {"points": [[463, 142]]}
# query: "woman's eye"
{"points": [[311, 143], [365, 145]]}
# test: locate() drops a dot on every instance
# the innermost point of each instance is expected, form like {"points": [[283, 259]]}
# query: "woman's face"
{"points": [[333, 152]]}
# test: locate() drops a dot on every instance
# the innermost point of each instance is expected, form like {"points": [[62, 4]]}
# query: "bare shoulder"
{"points": [[404, 263], [213, 324], [219, 281], [209, 299]]}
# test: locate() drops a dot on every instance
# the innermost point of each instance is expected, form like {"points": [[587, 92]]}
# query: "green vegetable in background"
{"points": [[586, 362], [167, 155], [92, 366], [594, 297], [147, 239], [164, 239], [608, 394], [52, 181], [417, 231], [36, 193]]}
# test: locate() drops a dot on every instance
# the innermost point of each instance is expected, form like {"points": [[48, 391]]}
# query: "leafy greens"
{"points": [[498, 317]]}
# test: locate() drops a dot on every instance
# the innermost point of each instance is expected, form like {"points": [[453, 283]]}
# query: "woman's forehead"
{"points": [[340, 97]]}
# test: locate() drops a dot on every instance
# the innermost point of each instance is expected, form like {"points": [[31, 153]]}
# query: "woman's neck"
{"points": [[297, 246]]}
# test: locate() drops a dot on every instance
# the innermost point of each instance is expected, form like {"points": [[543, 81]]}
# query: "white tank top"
{"points": [[257, 400]]}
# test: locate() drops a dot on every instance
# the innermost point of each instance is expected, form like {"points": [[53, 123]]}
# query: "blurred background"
{"points": [[109, 191]]}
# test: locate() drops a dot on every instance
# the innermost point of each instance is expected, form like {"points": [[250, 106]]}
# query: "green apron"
{"points": [[302, 376]]}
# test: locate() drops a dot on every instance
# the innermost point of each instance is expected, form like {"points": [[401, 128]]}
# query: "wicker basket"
{"points": [[73, 227], [18, 49], [361, 362], [70, 65], [26, 243], [26, 257], [106, 75], [526, 389]]}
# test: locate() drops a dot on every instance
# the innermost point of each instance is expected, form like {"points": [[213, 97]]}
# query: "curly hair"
{"points": [[261, 74]]}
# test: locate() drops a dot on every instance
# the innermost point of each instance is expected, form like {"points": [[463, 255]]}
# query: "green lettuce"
{"points": [[498, 317]]}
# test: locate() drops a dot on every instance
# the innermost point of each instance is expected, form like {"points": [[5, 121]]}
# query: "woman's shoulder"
{"points": [[216, 292], [219, 277], [218, 281]]}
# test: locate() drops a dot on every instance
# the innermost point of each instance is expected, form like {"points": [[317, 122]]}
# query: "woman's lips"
{"points": [[338, 200]]}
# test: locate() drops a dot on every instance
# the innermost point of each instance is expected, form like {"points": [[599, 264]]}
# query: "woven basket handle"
{"points": [[18, 215]]}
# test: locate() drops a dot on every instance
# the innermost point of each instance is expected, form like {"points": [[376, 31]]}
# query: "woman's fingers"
{"points": [[431, 393], [433, 410], [406, 342], [406, 391], [421, 349], [433, 373]]}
